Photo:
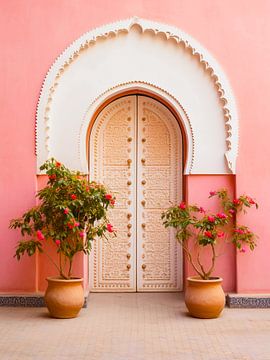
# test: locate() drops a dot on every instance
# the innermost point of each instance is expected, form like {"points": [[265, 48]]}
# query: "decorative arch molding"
{"points": [[145, 55]]}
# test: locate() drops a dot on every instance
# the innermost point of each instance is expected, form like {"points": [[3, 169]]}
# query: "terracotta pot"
{"points": [[204, 299], [64, 298]]}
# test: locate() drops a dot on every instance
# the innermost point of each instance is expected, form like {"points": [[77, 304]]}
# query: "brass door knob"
{"points": [[129, 234], [143, 266], [128, 266], [129, 161], [143, 202], [129, 182], [143, 225], [129, 226], [143, 182], [129, 139], [143, 140], [128, 256], [129, 215], [143, 161]]}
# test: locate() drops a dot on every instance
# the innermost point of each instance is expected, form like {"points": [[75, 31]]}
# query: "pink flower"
{"points": [[110, 228], [108, 196], [236, 201], [182, 206], [112, 202], [208, 234], [66, 211], [222, 216], [40, 236], [211, 219], [231, 211], [213, 193], [57, 242], [73, 196], [201, 210], [81, 234], [243, 250], [76, 224], [220, 234]]}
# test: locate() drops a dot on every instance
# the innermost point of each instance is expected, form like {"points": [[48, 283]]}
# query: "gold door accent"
{"points": [[136, 150]]}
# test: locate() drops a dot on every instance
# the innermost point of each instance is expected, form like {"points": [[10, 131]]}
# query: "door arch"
{"points": [[136, 150]]}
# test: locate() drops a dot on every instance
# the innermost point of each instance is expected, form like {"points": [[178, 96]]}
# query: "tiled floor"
{"points": [[134, 326]]}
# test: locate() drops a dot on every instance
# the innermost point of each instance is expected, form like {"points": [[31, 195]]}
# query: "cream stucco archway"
{"points": [[138, 54]]}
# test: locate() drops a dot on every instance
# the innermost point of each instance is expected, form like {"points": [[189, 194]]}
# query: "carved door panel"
{"points": [[159, 179], [113, 162], [136, 150]]}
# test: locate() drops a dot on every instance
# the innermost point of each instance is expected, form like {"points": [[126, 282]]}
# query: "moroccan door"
{"points": [[136, 150]]}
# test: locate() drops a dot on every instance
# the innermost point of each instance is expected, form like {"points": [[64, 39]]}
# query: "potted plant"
{"points": [[199, 231], [71, 213]]}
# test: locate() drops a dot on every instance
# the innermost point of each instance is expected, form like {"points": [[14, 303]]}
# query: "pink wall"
{"points": [[33, 33]]}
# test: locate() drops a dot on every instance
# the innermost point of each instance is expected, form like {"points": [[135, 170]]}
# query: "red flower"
{"points": [[250, 200], [182, 206], [211, 219], [70, 225], [220, 234], [213, 193], [112, 202], [108, 196], [222, 216], [73, 196], [110, 228], [58, 242], [58, 164], [239, 231], [236, 201], [66, 211], [208, 234], [40, 236], [76, 224], [52, 177]]}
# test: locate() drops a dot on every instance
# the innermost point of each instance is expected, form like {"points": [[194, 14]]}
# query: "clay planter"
{"points": [[64, 298], [204, 299]]}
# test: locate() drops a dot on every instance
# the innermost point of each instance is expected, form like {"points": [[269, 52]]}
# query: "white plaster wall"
{"points": [[142, 57]]}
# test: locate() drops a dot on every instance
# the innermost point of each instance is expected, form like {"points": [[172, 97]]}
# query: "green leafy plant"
{"points": [[206, 230], [71, 213]]}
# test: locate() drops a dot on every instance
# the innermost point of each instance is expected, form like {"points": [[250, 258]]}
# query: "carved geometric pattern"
{"points": [[121, 139]]}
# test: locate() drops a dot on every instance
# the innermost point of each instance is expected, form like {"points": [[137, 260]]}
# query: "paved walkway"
{"points": [[134, 327]]}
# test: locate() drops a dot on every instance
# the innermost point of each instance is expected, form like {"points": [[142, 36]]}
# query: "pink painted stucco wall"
{"points": [[33, 33]]}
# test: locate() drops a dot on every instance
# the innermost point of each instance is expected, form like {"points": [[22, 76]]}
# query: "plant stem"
{"points": [[213, 261], [201, 266], [70, 267], [53, 262], [191, 262]]}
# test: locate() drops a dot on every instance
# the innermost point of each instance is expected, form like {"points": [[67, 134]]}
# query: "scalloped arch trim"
{"points": [[142, 53]]}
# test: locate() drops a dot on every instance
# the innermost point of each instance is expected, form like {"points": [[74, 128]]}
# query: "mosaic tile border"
{"points": [[248, 301], [27, 301]]}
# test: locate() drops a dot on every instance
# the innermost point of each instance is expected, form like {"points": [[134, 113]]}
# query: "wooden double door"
{"points": [[136, 150]]}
